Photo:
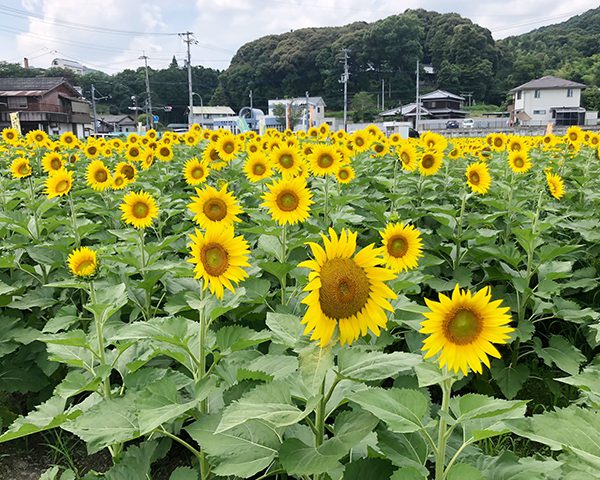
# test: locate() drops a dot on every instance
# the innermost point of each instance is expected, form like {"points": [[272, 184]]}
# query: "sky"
{"points": [[111, 35]]}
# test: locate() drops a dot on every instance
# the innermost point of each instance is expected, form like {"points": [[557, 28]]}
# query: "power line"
{"points": [[539, 20]]}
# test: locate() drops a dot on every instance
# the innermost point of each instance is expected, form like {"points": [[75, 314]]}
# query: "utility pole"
{"points": [[189, 40], [344, 80], [383, 94], [418, 117], [94, 110], [307, 112], [149, 114], [251, 99]]}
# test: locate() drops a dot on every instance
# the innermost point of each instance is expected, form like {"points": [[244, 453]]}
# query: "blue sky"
{"points": [[110, 35]]}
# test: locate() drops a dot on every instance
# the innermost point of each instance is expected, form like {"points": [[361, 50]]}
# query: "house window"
{"points": [[569, 92], [519, 95], [432, 105], [17, 102], [318, 109], [536, 94], [539, 112]]}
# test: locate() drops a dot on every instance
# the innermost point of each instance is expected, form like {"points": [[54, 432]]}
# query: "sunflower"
{"points": [[324, 160], [257, 167], [574, 134], [68, 139], [408, 156], [548, 141], [59, 183], [288, 201], [119, 181], [195, 171], [83, 262], [37, 138], [10, 135], [213, 206], [430, 162], [455, 153], [164, 152], [20, 168], [133, 138], [191, 139], [434, 141], [402, 247], [555, 185], [380, 148], [463, 328], [218, 256], [515, 144], [147, 159], [133, 152], [210, 155], [52, 162], [127, 170], [98, 176], [285, 160], [498, 142], [346, 290], [478, 177], [519, 161], [91, 151], [228, 147], [345, 174], [139, 209], [360, 141]]}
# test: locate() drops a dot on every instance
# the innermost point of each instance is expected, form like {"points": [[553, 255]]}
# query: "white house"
{"points": [[316, 108], [548, 100], [205, 116]]}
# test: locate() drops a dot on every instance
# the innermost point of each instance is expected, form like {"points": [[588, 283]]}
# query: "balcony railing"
{"points": [[34, 107]]}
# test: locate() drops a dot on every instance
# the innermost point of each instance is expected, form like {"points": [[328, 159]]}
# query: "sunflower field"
{"points": [[314, 305]]}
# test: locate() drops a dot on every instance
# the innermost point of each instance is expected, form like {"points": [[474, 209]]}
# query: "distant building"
{"points": [[205, 116], [71, 65], [50, 104], [436, 105], [315, 112], [116, 124], [548, 100]]}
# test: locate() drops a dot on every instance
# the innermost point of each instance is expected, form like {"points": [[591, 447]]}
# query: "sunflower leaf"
{"points": [[367, 366]]}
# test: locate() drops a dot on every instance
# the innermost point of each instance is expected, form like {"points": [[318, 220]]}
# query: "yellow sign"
{"points": [[15, 122]]}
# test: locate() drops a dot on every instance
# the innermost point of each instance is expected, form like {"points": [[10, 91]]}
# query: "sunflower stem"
{"points": [[393, 199], [440, 457], [33, 209], [320, 422], [147, 294], [326, 208], [459, 232], [202, 332], [509, 207], [284, 258], [74, 221]]}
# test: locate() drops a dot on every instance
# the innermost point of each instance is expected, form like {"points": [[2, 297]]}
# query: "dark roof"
{"points": [[440, 94], [548, 82], [116, 118], [33, 83]]}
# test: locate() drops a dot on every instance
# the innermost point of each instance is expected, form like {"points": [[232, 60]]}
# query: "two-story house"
{"points": [[314, 112], [442, 104], [205, 116], [548, 100], [50, 104]]}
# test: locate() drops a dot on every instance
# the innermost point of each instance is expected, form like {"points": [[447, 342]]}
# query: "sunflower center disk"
{"points": [[84, 265], [397, 247], [427, 161], [92, 150], [498, 142], [198, 172], [101, 176], [140, 210], [344, 288], [215, 259], [23, 169], [165, 152], [134, 152], [519, 162], [359, 141], [474, 178], [405, 157], [62, 186], [463, 328], [325, 161], [215, 209], [128, 172], [287, 201], [258, 169], [344, 174], [228, 147], [286, 161], [55, 164]]}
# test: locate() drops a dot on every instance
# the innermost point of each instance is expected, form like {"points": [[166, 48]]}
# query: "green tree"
{"points": [[364, 107]]}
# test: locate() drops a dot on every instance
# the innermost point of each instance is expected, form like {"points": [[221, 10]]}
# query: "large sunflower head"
{"points": [[10, 135], [127, 170], [228, 147], [402, 247], [212, 157], [218, 256], [257, 167], [20, 168], [37, 138], [288, 201], [98, 176], [478, 177], [346, 290], [464, 327], [134, 152], [345, 174], [408, 156], [286, 160], [83, 262], [119, 181], [574, 134], [68, 139], [164, 151], [195, 171], [434, 141], [212, 206], [91, 151], [59, 183], [139, 209], [555, 185], [430, 162], [519, 161], [324, 160]]}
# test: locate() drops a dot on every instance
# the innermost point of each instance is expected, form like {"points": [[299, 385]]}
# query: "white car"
{"points": [[468, 123]]}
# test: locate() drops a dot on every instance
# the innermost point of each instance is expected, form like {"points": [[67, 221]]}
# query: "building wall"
{"points": [[539, 109]]}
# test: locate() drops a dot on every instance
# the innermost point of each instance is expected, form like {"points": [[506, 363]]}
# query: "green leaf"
{"points": [[46, 416], [76, 382], [561, 353], [588, 381], [271, 403], [276, 366], [463, 471], [408, 473], [429, 374], [574, 428], [135, 463], [236, 337], [368, 366], [184, 473], [474, 406], [510, 378], [405, 449], [402, 410], [287, 329], [160, 403], [507, 466], [314, 363], [368, 469], [106, 423], [242, 451]]}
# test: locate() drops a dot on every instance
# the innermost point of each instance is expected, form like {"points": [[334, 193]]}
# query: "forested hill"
{"points": [[464, 55]]}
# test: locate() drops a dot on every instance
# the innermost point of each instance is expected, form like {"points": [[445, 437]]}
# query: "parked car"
{"points": [[468, 123], [452, 124]]}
